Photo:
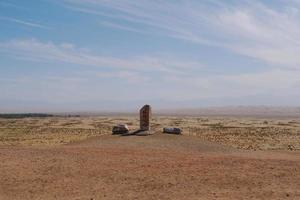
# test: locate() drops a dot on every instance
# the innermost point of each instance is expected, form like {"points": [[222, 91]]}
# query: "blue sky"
{"points": [[94, 55]]}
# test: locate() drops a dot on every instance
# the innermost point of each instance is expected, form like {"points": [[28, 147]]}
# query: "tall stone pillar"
{"points": [[145, 117]]}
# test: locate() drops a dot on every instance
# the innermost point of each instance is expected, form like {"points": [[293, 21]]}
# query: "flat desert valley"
{"points": [[214, 158]]}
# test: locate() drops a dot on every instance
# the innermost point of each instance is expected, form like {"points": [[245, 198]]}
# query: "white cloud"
{"points": [[34, 50], [11, 5], [247, 28], [122, 27], [170, 76], [269, 83], [250, 28], [131, 76], [22, 22]]}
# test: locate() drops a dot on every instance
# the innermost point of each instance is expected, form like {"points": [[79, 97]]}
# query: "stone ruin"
{"points": [[145, 117]]}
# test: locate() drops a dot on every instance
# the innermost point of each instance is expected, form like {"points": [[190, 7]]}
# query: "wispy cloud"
{"points": [[25, 23], [122, 27], [35, 50], [163, 72], [248, 28], [131, 76], [11, 5]]}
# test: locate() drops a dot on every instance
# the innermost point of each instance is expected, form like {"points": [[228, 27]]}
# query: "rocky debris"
{"points": [[120, 129], [145, 117], [138, 133], [143, 133], [171, 130], [291, 147]]}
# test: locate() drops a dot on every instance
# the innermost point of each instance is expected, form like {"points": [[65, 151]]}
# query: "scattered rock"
{"points": [[171, 130], [291, 147], [120, 129]]}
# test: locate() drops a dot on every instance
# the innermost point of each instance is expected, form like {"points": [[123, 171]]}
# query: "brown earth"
{"points": [[153, 167]]}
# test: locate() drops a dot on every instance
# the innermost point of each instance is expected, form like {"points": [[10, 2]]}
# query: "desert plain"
{"points": [[229, 157]]}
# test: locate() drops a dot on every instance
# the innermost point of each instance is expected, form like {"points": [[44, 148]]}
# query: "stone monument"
{"points": [[145, 116]]}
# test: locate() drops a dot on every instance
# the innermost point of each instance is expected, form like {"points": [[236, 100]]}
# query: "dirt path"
{"points": [[154, 167]]}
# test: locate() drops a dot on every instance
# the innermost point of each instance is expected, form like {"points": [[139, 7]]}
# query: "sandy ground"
{"points": [[242, 132], [153, 167]]}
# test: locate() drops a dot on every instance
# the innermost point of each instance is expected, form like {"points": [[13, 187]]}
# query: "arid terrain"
{"points": [[215, 158]]}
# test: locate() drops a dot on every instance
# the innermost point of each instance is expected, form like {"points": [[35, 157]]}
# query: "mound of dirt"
{"points": [[153, 167]]}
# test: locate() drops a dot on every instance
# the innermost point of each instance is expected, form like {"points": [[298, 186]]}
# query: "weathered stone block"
{"points": [[145, 117], [171, 130], [120, 129]]}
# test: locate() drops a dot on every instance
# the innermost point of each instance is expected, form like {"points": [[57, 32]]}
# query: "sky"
{"points": [[116, 55]]}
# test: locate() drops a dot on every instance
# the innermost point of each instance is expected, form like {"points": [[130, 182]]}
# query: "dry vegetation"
{"points": [[242, 133]]}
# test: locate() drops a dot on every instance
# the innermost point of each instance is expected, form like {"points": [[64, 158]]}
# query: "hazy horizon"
{"points": [[98, 55], [218, 111]]}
